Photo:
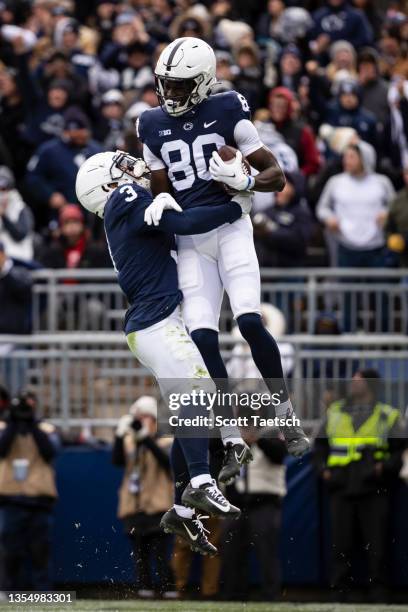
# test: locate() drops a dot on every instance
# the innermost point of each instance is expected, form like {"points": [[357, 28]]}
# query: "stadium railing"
{"points": [[372, 301], [92, 378]]}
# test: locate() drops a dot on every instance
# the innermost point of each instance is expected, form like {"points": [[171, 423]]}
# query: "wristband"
{"points": [[251, 183]]}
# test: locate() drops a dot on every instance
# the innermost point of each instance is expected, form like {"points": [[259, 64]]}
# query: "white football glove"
{"points": [[231, 173], [162, 202]]}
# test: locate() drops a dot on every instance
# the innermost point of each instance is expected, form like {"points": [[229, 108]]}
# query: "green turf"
{"points": [[86, 605]]}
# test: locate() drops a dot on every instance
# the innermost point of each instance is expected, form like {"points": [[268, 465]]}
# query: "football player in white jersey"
{"points": [[180, 142]]}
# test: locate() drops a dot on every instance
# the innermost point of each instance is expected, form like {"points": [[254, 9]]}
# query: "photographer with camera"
{"points": [[145, 494], [28, 446]]}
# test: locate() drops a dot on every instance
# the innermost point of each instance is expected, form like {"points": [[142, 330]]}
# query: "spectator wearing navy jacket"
{"points": [[347, 111], [283, 230], [52, 169], [337, 20]]}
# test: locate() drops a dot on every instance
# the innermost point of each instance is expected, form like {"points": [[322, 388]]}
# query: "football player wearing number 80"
{"points": [[180, 141], [140, 236]]}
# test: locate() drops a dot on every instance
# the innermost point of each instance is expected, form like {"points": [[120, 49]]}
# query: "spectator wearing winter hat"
{"points": [[59, 67], [110, 127], [16, 220], [248, 78], [53, 168], [73, 247], [129, 29], [283, 231], [337, 20], [353, 208], [226, 72], [290, 68], [343, 57], [295, 132], [44, 109], [346, 110]]}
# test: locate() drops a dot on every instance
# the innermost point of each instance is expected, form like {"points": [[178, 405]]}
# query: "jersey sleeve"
{"points": [[152, 162], [237, 105], [242, 131], [246, 137], [199, 220], [142, 130]]}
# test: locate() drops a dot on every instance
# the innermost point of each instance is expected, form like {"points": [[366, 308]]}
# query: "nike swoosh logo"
{"points": [[217, 505], [241, 456], [192, 537], [207, 125]]}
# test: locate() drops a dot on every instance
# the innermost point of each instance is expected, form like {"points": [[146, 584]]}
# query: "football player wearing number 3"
{"points": [[140, 236], [180, 142]]}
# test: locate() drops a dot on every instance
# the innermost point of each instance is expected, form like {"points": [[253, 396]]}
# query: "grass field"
{"points": [[94, 605]]}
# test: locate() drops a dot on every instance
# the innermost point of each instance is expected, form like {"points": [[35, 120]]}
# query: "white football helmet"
{"points": [[102, 173], [185, 73]]}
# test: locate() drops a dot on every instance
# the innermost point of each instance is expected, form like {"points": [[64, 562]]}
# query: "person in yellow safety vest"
{"points": [[357, 452]]}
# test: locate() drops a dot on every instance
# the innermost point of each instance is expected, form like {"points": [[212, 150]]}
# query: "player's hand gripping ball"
{"points": [[229, 167]]}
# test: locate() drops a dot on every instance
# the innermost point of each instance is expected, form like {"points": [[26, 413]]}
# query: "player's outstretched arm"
{"points": [[165, 213], [200, 220], [271, 176]]}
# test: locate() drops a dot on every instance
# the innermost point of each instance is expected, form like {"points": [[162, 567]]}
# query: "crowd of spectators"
{"points": [[325, 79], [327, 83]]}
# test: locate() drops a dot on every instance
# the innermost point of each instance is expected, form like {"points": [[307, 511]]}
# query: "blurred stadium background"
{"points": [[320, 76]]}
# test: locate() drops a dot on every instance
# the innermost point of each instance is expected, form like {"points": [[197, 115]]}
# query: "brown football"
{"points": [[227, 154]]}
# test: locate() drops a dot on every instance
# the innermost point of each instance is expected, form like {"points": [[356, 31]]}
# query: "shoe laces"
{"points": [[197, 522], [216, 493]]}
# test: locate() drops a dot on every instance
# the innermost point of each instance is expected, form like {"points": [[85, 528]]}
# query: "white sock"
{"points": [[232, 440], [197, 481], [230, 433], [285, 409], [183, 511]]}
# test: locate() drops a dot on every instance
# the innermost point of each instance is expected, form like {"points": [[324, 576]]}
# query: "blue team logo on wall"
{"points": [[188, 126]]}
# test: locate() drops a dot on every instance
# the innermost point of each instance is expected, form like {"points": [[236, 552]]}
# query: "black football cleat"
{"points": [[190, 529], [296, 440], [210, 500], [235, 456]]}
